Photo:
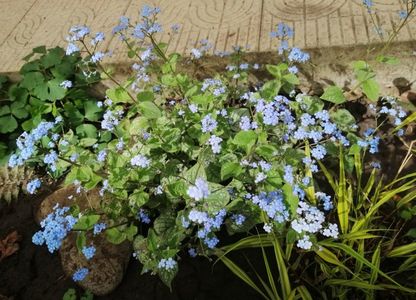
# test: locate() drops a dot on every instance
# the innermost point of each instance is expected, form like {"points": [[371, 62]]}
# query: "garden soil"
{"points": [[34, 273]]}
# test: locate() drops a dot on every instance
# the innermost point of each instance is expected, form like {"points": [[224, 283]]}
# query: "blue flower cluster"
{"points": [[272, 204], [200, 190], [111, 119], [215, 85], [88, 252], [148, 26], [207, 225], [167, 264], [238, 219], [33, 185], [370, 141], [143, 216], [26, 143], [55, 227], [99, 227], [80, 274], [208, 124]]}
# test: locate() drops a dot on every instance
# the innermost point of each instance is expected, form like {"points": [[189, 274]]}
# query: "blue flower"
{"points": [[238, 219], [99, 227], [55, 228], [143, 217], [99, 37], [288, 174], [167, 264], [50, 159], [272, 204], [140, 161], [297, 55], [208, 124], [211, 242], [283, 31], [148, 11], [200, 190], [97, 57], [102, 155], [66, 84], [80, 274], [88, 252], [318, 152], [192, 252], [215, 143], [33, 185], [71, 48], [122, 25]]}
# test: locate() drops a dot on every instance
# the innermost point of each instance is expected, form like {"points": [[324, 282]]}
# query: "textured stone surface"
{"points": [[106, 268], [67, 196], [318, 23]]}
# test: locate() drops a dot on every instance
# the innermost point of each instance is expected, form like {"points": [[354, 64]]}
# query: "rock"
{"points": [[67, 196], [402, 84], [409, 96], [106, 268]]}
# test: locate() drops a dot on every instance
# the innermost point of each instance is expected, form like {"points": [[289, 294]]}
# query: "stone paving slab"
{"points": [[25, 24]]}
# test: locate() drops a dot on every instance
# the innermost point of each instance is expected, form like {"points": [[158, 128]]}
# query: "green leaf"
{"points": [[92, 111], [164, 223], [343, 118], [245, 139], [402, 250], [50, 91], [276, 70], [371, 88], [7, 124], [115, 236], [52, 58], [334, 94], [145, 96], [86, 222], [130, 232], [32, 80], [87, 142], [81, 240], [40, 50], [139, 198], [168, 275], [196, 171], [150, 110], [4, 110], [291, 78], [266, 151], [18, 110], [230, 169], [118, 95], [390, 60], [290, 198], [218, 198], [70, 294], [86, 131]]}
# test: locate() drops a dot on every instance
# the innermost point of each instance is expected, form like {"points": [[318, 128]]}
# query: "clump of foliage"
{"points": [[178, 159], [52, 84]]}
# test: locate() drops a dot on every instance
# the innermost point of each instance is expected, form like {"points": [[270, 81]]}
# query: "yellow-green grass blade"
{"points": [[351, 252], [329, 177], [407, 121], [330, 257], [343, 208], [269, 272], [402, 250], [242, 275], [284, 277]]}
